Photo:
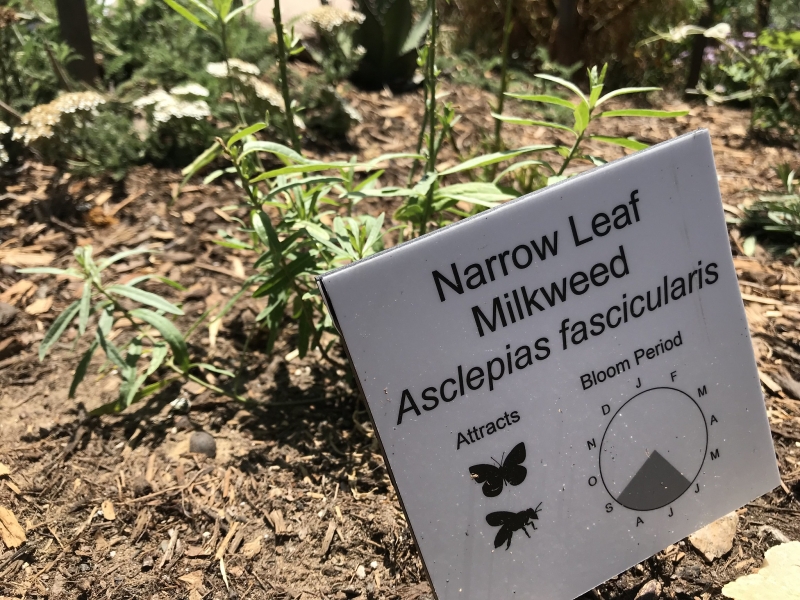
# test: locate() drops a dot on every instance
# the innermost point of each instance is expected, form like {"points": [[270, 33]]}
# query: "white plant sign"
{"points": [[564, 385]]}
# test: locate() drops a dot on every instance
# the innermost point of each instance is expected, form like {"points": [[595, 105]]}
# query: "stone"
{"points": [[778, 578], [202, 442], [7, 313], [649, 591], [716, 539]]}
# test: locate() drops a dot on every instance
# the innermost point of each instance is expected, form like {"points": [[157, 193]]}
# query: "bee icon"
{"points": [[510, 522]]}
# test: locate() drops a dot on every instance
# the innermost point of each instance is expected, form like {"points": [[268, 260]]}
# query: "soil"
{"points": [[292, 498]]}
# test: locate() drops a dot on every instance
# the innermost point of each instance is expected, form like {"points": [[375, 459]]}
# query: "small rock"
{"points": [[83, 567], [140, 487], [202, 442], [361, 572], [147, 563], [716, 539], [649, 591], [7, 314], [773, 532], [373, 564], [85, 585], [184, 423]]}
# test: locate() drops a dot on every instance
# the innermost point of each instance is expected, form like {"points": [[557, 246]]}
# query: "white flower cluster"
{"points": [[330, 18], [238, 68], [39, 121], [168, 106], [190, 89], [4, 129]]}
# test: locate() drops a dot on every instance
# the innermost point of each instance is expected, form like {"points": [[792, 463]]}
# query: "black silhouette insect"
{"points": [[507, 471], [510, 522]]}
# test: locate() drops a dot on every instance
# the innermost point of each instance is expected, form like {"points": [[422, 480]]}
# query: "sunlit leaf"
{"points": [[144, 297], [57, 328]]}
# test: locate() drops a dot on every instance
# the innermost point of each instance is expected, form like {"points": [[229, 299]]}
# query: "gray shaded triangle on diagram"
{"points": [[656, 484]]}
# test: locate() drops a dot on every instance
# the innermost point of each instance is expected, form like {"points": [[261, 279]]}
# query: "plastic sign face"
{"points": [[564, 385]]}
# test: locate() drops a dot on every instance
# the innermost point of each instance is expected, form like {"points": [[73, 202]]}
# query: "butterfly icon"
{"points": [[507, 471]]}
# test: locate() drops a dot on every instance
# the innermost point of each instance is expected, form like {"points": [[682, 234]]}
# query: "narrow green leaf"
{"points": [[57, 328], [239, 10], [245, 132], [314, 180], [581, 115], [214, 369], [387, 157], [80, 370], [168, 331], [205, 158], [184, 12], [156, 358], [521, 121], [85, 308], [302, 168], [543, 98], [644, 112], [111, 351], [522, 165], [104, 264], [563, 82], [623, 91], [595, 94], [620, 141], [284, 153], [495, 157], [143, 297]]}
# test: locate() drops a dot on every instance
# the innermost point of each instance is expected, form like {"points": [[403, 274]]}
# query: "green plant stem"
{"points": [[431, 166], [508, 25], [571, 154], [282, 60], [224, 39], [421, 136]]}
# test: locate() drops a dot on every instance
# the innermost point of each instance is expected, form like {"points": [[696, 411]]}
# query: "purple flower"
{"points": [[750, 35]]}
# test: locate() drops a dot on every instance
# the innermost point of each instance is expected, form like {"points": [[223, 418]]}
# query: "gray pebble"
{"points": [[202, 442]]}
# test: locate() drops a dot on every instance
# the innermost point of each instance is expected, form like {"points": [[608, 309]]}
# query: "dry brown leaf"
{"points": [[109, 514], [778, 578], [97, 217], [11, 533], [39, 306], [193, 580]]}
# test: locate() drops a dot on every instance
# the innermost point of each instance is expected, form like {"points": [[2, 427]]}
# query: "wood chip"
{"points": [[4, 470], [326, 542], [276, 518], [188, 217], [39, 306], [109, 514], [252, 548], [11, 533], [761, 300], [223, 547], [769, 383], [17, 291], [102, 198], [25, 257]]}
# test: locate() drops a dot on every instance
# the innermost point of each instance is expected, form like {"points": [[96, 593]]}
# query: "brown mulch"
{"points": [[297, 502]]}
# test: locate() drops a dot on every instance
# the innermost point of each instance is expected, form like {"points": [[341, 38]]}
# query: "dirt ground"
{"points": [[297, 503]]}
